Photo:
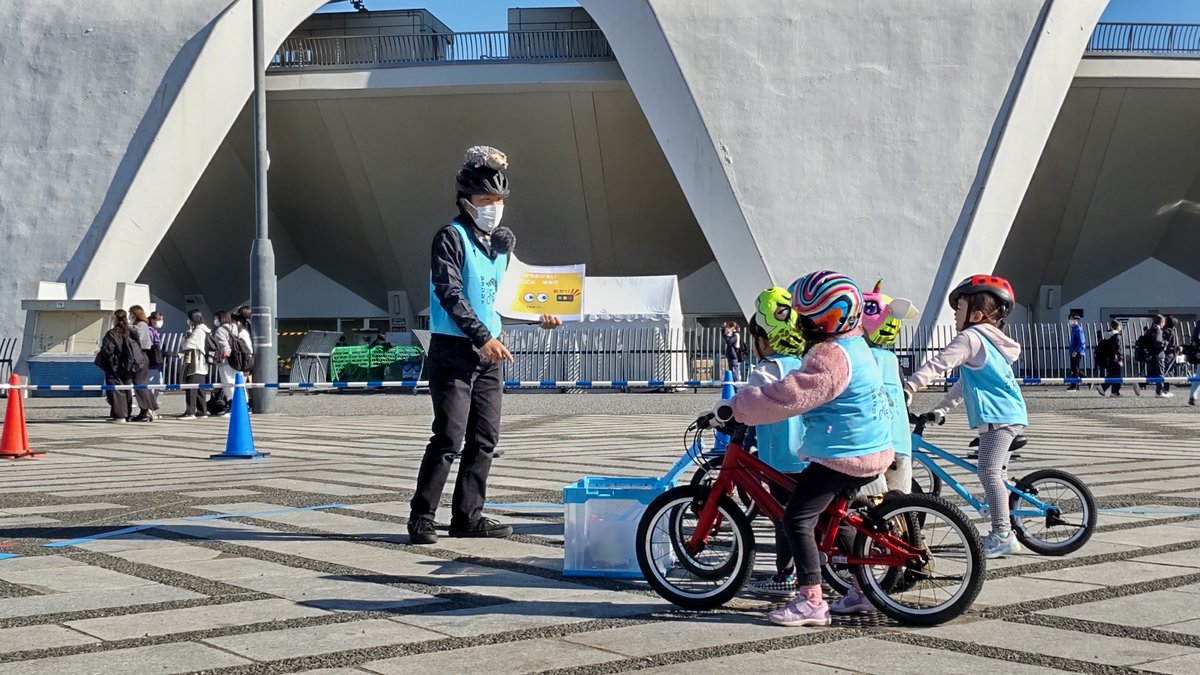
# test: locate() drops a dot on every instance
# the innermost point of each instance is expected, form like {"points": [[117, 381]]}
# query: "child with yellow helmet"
{"points": [[778, 344]]}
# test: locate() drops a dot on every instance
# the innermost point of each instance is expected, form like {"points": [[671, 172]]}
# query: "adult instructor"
{"points": [[470, 256]]}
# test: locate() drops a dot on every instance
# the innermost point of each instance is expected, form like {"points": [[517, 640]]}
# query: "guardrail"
{"points": [[1145, 39], [385, 51]]}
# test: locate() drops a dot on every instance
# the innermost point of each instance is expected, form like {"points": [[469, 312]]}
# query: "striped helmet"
{"points": [[832, 302]]}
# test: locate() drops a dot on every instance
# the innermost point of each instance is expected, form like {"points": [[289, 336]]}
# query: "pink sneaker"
{"points": [[801, 612], [853, 602]]}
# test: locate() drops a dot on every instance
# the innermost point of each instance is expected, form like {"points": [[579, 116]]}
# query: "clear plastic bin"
{"points": [[602, 517]]}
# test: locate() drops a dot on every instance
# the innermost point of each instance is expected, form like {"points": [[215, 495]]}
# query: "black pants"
{"points": [[145, 397], [120, 405], [783, 549], [466, 392], [1155, 368], [1113, 370], [196, 399], [815, 489], [1075, 361], [1168, 370]]}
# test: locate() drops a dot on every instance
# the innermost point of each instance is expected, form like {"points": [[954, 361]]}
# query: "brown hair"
{"points": [[138, 314], [122, 322], [986, 304]]}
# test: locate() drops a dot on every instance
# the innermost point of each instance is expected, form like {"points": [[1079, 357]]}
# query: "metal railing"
{"points": [[384, 51], [1145, 39]]}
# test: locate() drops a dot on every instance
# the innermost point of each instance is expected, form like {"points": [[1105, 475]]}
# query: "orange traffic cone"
{"points": [[14, 443], [25, 429]]}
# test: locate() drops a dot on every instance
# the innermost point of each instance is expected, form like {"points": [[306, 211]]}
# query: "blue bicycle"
{"points": [[1052, 511]]}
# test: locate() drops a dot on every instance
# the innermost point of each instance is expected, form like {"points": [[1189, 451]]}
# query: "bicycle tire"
{"points": [[744, 554], [935, 482], [702, 477], [1028, 484], [908, 506]]}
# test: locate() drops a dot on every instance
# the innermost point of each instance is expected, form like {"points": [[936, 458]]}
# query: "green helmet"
{"points": [[773, 312]]}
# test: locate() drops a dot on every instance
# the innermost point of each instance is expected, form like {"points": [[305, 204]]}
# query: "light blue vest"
{"points": [[857, 422], [889, 368], [480, 278], [779, 443], [991, 394]]}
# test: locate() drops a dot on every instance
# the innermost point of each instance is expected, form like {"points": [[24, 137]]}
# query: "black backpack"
{"points": [[241, 358], [1143, 348], [212, 349], [120, 355]]}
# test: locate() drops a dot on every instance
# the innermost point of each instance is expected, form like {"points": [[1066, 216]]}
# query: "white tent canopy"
{"points": [[632, 329]]}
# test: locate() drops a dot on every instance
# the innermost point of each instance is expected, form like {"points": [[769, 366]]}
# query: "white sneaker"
{"points": [[997, 546], [1165, 394], [187, 417]]}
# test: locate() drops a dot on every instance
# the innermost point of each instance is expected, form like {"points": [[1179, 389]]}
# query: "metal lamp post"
{"points": [[262, 256]]}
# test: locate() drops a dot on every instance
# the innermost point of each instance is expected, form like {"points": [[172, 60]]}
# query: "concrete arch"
{"points": [[207, 102]]}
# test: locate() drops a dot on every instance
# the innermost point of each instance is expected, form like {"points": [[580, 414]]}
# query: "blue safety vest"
{"points": [[991, 394], [889, 368], [779, 443], [481, 276], [857, 422]]}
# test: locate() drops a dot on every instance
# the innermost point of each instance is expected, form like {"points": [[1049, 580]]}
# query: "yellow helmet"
{"points": [[773, 313]]}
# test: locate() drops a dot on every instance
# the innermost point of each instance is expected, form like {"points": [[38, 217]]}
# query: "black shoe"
{"points": [[484, 527], [421, 532], [143, 416]]}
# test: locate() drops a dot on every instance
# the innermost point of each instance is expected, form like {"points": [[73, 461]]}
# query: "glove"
{"points": [[937, 415]]}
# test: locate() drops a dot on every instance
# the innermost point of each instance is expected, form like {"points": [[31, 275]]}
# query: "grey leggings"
{"points": [[994, 445]]}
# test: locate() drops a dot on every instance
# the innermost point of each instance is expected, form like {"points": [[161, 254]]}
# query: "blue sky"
{"points": [[471, 15]]}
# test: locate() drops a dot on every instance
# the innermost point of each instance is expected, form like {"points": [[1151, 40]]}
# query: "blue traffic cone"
{"points": [[727, 389], [240, 444]]}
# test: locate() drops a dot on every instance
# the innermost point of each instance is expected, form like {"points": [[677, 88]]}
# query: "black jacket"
{"points": [[445, 271]]}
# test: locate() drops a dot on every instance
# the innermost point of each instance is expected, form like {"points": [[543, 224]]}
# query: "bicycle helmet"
{"points": [[482, 172], [773, 313], [883, 315], [830, 301], [986, 283]]}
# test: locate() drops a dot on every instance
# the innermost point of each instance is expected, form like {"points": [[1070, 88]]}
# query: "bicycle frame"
{"points": [[742, 470], [924, 452]]}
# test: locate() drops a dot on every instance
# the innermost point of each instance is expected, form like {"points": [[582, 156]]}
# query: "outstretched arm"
{"points": [[824, 376]]}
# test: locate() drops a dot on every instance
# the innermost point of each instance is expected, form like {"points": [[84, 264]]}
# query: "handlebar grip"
{"points": [[723, 413]]}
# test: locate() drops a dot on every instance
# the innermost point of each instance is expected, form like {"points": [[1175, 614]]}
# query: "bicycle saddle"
{"points": [[1018, 443]]}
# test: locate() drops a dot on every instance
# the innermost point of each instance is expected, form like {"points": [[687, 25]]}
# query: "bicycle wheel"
{"points": [[729, 547], [946, 583], [924, 480], [1068, 525], [706, 474]]}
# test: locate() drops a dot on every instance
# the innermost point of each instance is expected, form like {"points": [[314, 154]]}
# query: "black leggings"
{"points": [[815, 489]]}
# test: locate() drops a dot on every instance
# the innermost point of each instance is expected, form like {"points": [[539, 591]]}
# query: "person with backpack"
{"points": [[1192, 351], [140, 331], [1170, 352], [1077, 347], [120, 357], [1110, 356], [225, 335], [195, 358], [241, 355], [1149, 349]]}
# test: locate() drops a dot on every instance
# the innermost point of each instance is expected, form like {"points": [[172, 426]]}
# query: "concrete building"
{"points": [[735, 145]]}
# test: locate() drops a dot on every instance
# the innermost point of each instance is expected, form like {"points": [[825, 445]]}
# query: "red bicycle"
{"points": [[916, 557]]}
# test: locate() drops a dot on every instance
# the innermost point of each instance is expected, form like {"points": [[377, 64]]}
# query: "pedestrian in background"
{"points": [[1077, 347], [1193, 356], [195, 365], [733, 347], [225, 332], [1149, 349], [140, 331], [120, 357], [156, 355], [1110, 356], [1170, 351]]}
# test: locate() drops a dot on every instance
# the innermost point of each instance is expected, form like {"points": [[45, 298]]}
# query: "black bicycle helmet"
{"points": [[482, 172]]}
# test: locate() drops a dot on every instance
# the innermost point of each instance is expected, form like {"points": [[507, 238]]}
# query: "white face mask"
{"points": [[158, 324], [216, 323], [487, 218]]}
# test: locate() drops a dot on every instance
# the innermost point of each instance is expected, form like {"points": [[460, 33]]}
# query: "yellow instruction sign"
{"points": [[529, 291]]}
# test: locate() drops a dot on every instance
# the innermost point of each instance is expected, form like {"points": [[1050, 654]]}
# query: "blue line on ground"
{"points": [[6, 556], [212, 516]]}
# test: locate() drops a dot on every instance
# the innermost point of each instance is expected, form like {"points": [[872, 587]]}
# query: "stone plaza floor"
{"points": [[224, 566]]}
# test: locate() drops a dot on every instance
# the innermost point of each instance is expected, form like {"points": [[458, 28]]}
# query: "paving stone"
{"points": [[340, 594], [529, 656], [1185, 627], [231, 492], [62, 508], [505, 549], [160, 659], [294, 642], [752, 662], [163, 555], [230, 568], [876, 656], [537, 614], [1177, 665], [1064, 643], [127, 542], [1149, 536], [72, 579], [38, 562], [319, 488], [192, 618], [40, 637], [1147, 610], [85, 600], [1011, 590], [1115, 573], [23, 521], [643, 640]]}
